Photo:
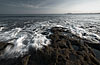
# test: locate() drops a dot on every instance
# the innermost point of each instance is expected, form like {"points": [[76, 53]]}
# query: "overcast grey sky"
{"points": [[48, 6]]}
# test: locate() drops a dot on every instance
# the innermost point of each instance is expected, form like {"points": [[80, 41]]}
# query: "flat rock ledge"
{"points": [[65, 49]]}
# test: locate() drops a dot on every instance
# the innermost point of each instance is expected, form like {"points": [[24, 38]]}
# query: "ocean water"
{"points": [[25, 31]]}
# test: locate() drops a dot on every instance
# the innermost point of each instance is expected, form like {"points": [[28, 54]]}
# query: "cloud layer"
{"points": [[48, 6]]}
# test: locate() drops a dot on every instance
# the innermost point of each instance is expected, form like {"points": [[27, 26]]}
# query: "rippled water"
{"points": [[24, 31]]}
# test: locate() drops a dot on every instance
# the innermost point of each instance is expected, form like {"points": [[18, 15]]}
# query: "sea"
{"points": [[25, 30]]}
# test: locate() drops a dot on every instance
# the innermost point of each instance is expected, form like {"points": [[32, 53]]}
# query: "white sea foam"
{"points": [[1, 28], [30, 35], [23, 39], [85, 34]]}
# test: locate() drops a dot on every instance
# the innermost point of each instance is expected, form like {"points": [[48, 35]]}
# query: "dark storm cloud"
{"points": [[30, 3], [28, 6]]}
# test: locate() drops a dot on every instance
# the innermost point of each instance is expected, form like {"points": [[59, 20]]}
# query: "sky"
{"points": [[49, 6]]}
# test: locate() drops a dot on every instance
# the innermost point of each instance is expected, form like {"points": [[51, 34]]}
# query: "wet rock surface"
{"points": [[65, 49]]}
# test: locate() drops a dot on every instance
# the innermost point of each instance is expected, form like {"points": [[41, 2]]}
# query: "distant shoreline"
{"points": [[80, 13]]}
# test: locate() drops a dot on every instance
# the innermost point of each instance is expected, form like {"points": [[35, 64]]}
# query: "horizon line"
{"points": [[51, 13]]}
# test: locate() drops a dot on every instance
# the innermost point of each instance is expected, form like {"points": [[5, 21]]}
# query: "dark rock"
{"points": [[45, 33], [64, 50]]}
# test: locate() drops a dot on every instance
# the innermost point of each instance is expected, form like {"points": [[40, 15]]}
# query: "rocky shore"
{"points": [[65, 49]]}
